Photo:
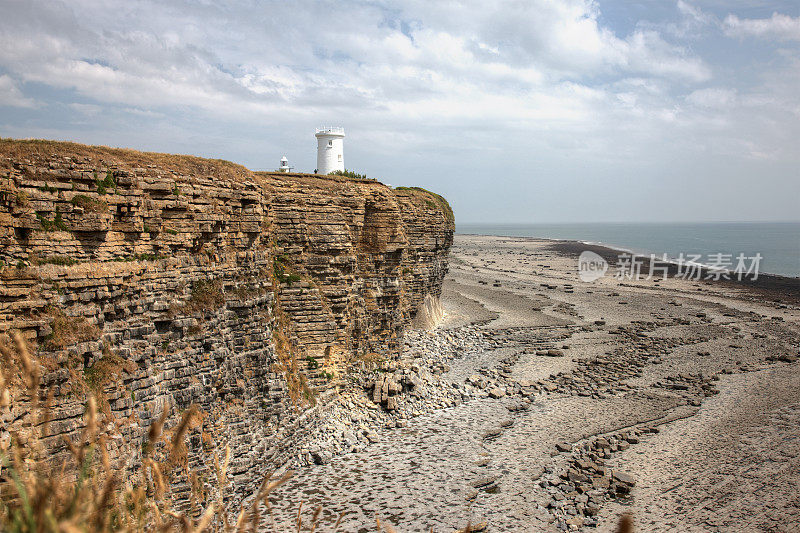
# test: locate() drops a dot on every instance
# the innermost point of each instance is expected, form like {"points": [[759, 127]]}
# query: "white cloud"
{"points": [[648, 53], [693, 12], [438, 57], [712, 97], [10, 94], [533, 83], [90, 110], [693, 22], [778, 26]]}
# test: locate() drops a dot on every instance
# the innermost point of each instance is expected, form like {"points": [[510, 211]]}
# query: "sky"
{"points": [[536, 111]]}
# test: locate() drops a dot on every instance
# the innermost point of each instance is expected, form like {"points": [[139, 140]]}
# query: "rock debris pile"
{"points": [[583, 483]]}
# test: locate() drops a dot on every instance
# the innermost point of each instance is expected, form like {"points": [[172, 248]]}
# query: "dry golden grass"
{"points": [[280, 179], [432, 199], [67, 331], [185, 164], [20, 271], [85, 494], [625, 524], [22, 199], [296, 383], [286, 354], [89, 204], [207, 295]]}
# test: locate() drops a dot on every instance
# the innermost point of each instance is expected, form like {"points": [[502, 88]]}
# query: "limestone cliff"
{"points": [[164, 281]]}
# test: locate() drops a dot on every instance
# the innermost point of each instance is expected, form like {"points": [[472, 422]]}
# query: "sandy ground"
{"points": [[724, 457]]}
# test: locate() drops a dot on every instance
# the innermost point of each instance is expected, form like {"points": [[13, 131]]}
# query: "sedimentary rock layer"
{"points": [[158, 281]]}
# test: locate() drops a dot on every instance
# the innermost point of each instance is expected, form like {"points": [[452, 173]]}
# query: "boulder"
{"points": [[497, 392], [624, 478]]}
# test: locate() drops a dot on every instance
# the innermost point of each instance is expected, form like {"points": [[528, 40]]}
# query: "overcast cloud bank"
{"points": [[532, 111]]}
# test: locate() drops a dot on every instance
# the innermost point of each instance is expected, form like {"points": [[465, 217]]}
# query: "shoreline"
{"points": [[777, 287], [530, 362], [613, 247]]}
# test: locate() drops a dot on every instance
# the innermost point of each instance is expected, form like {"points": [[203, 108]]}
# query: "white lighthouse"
{"points": [[330, 150]]}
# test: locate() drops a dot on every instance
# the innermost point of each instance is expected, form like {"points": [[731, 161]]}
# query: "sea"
{"points": [[778, 243]]}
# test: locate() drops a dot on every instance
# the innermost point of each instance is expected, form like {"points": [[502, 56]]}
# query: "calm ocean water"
{"points": [[778, 243]]}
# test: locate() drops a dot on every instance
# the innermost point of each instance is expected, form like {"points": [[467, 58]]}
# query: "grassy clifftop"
{"points": [[18, 149], [435, 199]]}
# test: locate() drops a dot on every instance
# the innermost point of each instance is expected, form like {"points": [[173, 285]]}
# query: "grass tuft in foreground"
{"points": [[85, 494]]}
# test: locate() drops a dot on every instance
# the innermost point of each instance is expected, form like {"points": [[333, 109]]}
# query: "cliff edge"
{"points": [[157, 281]]}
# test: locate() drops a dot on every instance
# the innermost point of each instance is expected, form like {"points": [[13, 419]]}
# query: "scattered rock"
{"points": [[477, 528], [322, 457], [497, 392], [484, 482], [624, 478], [492, 434]]}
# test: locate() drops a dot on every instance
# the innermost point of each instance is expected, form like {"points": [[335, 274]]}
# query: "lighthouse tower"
{"points": [[330, 150]]}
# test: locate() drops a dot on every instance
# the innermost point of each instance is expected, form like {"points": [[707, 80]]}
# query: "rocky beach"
{"points": [[446, 267], [543, 403], [335, 326]]}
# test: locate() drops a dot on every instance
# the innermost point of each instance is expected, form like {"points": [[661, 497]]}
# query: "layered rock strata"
{"points": [[158, 281]]}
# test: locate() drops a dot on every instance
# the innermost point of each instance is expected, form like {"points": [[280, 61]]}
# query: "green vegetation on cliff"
{"points": [[348, 174], [435, 200]]}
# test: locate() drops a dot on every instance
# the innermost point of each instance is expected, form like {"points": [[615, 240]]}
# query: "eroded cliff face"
{"points": [[158, 281]]}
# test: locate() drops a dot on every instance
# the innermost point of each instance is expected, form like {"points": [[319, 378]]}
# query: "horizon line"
{"points": [[629, 222]]}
